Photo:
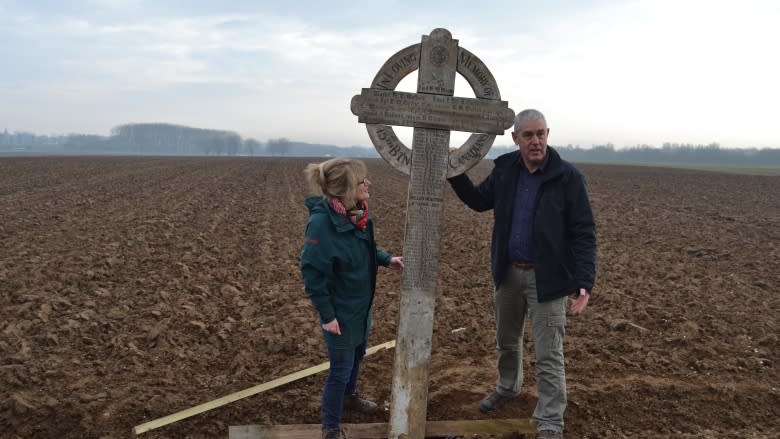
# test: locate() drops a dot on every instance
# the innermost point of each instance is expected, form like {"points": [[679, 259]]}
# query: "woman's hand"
{"points": [[397, 263], [332, 327]]}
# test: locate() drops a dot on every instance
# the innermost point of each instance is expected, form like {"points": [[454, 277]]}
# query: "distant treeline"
{"points": [[169, 139], [669, 153]]}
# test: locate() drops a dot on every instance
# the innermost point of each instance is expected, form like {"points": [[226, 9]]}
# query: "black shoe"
{"points": [[493, 402], [333, 433], [356, 403]]}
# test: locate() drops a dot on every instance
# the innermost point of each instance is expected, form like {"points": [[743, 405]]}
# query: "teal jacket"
{"points": [[339, 263]]}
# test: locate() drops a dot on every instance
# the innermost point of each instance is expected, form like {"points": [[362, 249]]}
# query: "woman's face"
{"points": [[362, 190]]}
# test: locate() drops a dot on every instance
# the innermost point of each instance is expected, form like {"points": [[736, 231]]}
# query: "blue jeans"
{"points": [[342, 380]]}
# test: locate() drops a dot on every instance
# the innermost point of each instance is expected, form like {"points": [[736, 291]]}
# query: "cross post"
{"points": [[433, 111]]}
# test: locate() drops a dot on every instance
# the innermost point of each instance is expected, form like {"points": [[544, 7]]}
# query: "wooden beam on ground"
{"points": [[379, 430], [244, 393]]}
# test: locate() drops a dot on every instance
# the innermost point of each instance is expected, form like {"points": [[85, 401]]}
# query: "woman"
{"points": [[339, 264]]}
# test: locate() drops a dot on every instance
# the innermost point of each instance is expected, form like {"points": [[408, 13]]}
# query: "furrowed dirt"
{"points": [[134, 288]]}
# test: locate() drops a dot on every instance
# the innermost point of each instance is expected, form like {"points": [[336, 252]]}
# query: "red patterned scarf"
{"points": [[358, 215]]}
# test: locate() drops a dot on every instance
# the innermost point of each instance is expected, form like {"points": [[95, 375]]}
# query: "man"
{"points": [[543, 250]]}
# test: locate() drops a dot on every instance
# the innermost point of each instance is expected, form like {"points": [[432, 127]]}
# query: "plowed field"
{"points": [[133, 288]]}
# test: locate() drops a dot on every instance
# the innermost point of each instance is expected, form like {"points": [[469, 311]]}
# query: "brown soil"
{"points": [[133, 288]]}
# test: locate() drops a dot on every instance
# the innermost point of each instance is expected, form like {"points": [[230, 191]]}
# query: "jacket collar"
{"points": [[552, 163], [318, 204]]}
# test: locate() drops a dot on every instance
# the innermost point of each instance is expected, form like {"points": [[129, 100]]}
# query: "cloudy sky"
{"points": [[625, 72]]}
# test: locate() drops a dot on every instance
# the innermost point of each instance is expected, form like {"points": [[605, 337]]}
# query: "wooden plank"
{"points": [[379, 430], [245, 393], [480, 426], [303, 431]]}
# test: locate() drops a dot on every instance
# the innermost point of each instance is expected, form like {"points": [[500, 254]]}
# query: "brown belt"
{"points": [[523, 266]]}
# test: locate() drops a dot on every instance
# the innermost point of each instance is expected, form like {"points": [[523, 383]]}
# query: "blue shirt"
{"points": [[521, 239]]}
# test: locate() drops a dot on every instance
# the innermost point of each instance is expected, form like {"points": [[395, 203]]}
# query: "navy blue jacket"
{"points": [[564, 231]]}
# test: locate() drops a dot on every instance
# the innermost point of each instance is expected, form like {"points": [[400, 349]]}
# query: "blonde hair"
{"points": [[337, 177]]}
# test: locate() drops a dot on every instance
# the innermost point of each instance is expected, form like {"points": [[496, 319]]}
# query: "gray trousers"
{"points": [[513, 299]]}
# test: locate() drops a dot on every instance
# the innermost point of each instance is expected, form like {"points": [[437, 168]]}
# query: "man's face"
{"points": [[532, 140]]}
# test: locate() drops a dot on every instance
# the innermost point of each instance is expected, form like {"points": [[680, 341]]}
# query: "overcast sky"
{"points": [[625, 72]]}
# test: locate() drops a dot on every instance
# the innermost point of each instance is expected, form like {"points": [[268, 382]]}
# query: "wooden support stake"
{"points": [[244, 393]]}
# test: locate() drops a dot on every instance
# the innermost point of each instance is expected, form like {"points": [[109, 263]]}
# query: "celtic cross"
{"points": [[433, 112]]}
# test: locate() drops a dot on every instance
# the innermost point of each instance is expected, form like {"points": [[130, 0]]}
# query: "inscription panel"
{"points": [[438, 61], [390, 147], [424, 202], [432, 111], [418, 282], [404, 62], [478, 76]]}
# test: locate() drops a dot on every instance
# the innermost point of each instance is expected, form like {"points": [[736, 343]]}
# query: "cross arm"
{"points": [[423, 110]]}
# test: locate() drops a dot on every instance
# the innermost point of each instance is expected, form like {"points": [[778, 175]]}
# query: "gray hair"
{"points": [[529, 114]]}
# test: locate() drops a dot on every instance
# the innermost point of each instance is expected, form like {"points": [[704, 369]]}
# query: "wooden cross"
{"points": [[433, 111]]}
